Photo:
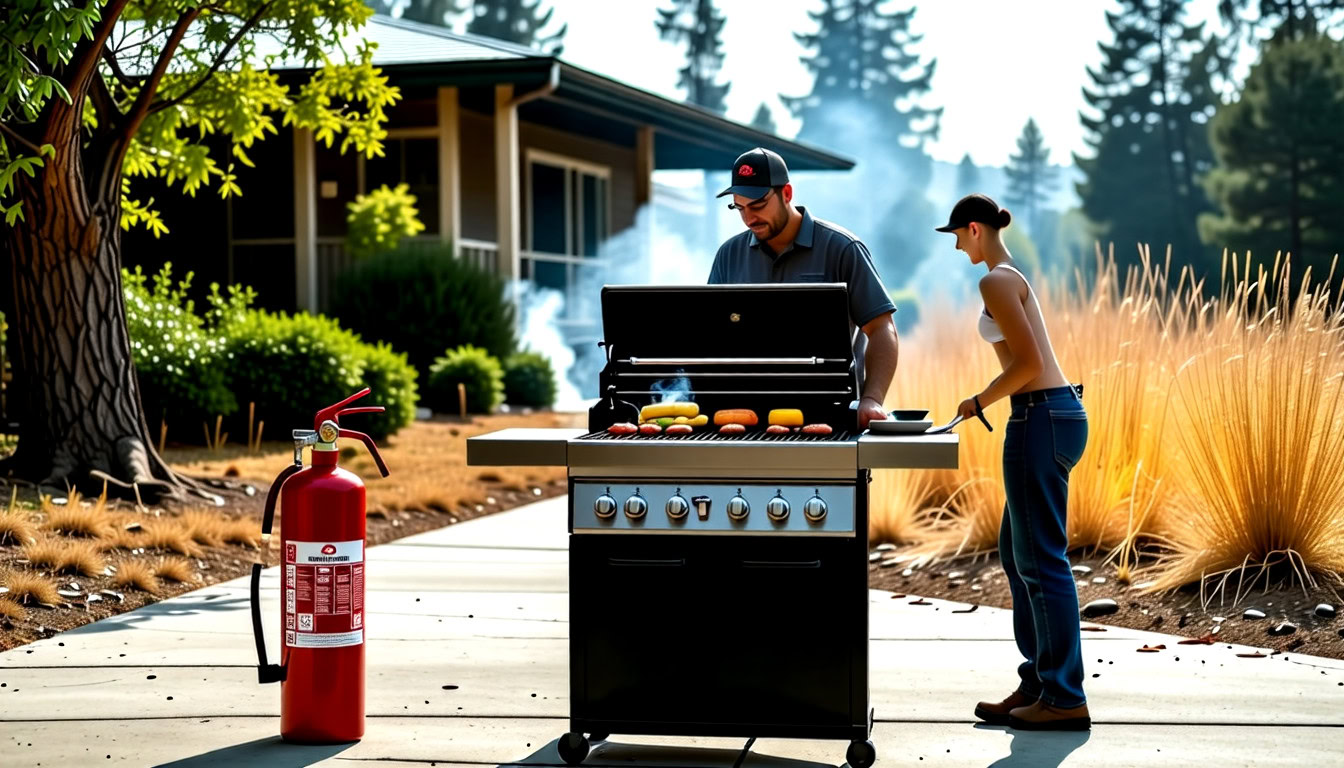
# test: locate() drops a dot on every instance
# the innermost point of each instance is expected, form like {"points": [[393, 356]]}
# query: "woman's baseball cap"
{"points": [[978, 208]]}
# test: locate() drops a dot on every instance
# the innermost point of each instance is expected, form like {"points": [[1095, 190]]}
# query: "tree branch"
{"points": [[111, 58], [150, 86], [223, 56], [19, 138], [85, 63]]}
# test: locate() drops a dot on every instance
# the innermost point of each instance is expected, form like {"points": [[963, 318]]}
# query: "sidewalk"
{"points": [[482, 606]]}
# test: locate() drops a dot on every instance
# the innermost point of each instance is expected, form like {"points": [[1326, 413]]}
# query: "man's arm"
{"points": [[880, 366]]}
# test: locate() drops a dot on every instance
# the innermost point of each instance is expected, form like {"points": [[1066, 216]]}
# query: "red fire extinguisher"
{"points": [[321, 669]]}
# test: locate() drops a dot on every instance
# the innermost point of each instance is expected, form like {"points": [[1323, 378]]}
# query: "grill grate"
{"points": [[759, 435]]}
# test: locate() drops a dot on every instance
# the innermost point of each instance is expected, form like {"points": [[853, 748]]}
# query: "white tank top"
{"points": [[989, 328]]}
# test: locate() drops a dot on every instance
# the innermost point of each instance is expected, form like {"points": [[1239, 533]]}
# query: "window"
{"points": [[415, 161], [568, 218]]}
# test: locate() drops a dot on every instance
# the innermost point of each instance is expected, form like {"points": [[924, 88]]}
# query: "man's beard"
{"points": [[774, 227]]}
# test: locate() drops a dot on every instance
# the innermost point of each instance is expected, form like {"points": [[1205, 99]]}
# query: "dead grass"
{"points": [[76, 518], [138, 574], [28, 588], [16, 523], [170, 534], [243, 530], [11, 610], [66, 556], [204, 527], [175, 569]]}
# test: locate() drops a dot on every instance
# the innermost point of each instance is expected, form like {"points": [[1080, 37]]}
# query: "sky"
{"points": [[998, 63]]}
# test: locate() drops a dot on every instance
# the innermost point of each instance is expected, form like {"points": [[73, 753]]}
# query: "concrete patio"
{"points": [[482, 606]]}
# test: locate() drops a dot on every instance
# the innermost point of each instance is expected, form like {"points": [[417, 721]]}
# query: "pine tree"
{"points": [[1150, 145], [868, 82], [1280, 177], [699, 25], [516, 21], [764, 121], [968, 177], [439, 12], [1030, 176]]}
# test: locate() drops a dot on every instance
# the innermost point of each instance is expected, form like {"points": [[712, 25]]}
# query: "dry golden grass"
{"points": [[175, 569], [204, 526], [25, 587], [16, 524], [10, 609], [244, 531], [66, 556], [171, 534], [138, 574], [74, 518], [1213, 453]]}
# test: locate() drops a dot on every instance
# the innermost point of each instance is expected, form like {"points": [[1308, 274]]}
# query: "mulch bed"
{"points": [[982, 582]]}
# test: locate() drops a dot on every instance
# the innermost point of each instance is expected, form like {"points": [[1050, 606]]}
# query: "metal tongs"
{"points": [[957, 420]]}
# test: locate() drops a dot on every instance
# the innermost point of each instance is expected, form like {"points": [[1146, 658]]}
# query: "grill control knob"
{"points": [[738, 508], [815, 510], [777, 509], [604, 507], [635, 507], [677, 507]]}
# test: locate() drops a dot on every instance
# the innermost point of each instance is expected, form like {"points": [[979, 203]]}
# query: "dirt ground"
{"points": [[982, 582], [430, 487]]}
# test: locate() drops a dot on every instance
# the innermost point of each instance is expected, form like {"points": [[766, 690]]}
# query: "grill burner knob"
{"points": [[635, 507], [677, 507], [738, 508], [777, 509], [604, 507], [815, 509]]}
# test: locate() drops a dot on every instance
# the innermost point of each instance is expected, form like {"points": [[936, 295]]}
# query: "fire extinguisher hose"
{"points": [[267, 673]]}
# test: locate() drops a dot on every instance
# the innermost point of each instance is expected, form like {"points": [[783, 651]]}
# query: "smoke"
{"points": [[672, 390], [541, 310]]}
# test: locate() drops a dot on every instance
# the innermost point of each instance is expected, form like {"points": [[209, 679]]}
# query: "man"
{"points": [[785, 244]]}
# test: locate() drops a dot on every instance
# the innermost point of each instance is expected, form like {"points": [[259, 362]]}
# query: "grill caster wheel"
{"points": [[861, 754], [596, 737], [573, 748]]}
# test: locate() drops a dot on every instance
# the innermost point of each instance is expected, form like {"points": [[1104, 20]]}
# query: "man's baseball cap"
{"points": [[755, 172], [978, 208]]}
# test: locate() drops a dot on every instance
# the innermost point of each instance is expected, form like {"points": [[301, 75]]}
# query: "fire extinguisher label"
{"points": [[324, 594]]}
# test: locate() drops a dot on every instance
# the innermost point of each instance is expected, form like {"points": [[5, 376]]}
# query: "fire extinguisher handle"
{"points": [[368, 443]]}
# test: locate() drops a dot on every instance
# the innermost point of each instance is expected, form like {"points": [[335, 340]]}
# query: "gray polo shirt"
{"points": [[821, 253]]}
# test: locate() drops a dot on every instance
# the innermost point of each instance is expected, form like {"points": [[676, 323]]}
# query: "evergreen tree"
{"points": [[516, 21], [968, 177], [865, 95], [1283, 18], [1279, 183], [764, 121], [699, 25], [440, 12], [1030, 177], [1150, 144]]}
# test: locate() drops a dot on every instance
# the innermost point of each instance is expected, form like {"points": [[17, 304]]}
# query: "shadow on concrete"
{"points": [[273, 752], [609, 753], [1037, 749], [183, 605]]}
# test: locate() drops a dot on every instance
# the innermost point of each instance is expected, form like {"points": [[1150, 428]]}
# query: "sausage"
{"points": [[679, 429], [777, 429], [623, 428], [649, 429], [733, 429], [817, 429], [743, 416]]}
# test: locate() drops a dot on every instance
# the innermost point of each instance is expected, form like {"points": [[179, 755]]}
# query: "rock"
{"points": [[977, 588], [957, 575], [75, 586], [1099, 580], [133, 527], [1084, 584], [94, 598], [1219, 619], [1282, 629], [885, 547], [70, 594], [1252, 614], [120, 598], [1081, 570], [4, 590], [1103, 607], [873, 558], [1325, 611], [250, 490], [908, 572], [890, 562]]}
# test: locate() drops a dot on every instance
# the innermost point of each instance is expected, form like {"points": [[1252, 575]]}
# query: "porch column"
{"points": [[305, 221], [643, 165], [508, 231], [450, 169]]}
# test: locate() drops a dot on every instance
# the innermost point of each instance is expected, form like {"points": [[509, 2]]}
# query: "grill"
{"points": [[718, 582]]}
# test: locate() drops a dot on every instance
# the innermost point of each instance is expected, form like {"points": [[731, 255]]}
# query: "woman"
{"points": [[1044, 439]]}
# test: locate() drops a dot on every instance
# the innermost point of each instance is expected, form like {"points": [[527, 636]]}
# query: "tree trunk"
{"points": [[77, 401]]}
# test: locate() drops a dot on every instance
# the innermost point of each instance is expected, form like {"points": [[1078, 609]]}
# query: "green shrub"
{"points": [[393, 382], [472, 366], [378, 220], [529, 380], [422, 301], [178, 362]]}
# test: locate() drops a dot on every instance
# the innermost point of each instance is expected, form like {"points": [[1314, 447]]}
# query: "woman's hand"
{"points": [[967, 409]]}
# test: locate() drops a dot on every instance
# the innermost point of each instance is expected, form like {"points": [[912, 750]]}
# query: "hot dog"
{"points": [[733, 429], [623, 428], [742, 416], [817, 429], [649, 429], [679, 429], [777, 429]]}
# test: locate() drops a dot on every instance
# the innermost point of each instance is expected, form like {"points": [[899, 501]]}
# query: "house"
{"points": [[524, 163]]}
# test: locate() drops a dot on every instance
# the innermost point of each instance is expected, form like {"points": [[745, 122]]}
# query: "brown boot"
{"points": [[996, 712], [1043, 717]]}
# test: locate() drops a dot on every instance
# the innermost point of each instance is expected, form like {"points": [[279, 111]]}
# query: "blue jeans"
{"points": [[1045, 437]]}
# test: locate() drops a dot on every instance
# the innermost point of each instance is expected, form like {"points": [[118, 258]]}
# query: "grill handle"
{"points": [[675, 361], [791, 564], [637, 562]]}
